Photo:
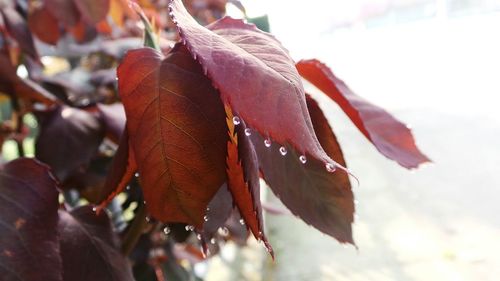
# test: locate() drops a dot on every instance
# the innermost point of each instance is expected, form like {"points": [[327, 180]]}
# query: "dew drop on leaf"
{"points": [[283, 151], [205, 218], [212, 241], [166, 230], [267, 142], [303, 159], [198, 236], [248, 132], [330, 167], [223, 231], [242, 221], [236, 120]]}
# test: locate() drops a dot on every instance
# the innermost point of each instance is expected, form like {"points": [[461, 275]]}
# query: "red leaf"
{"points": [[391, 137], [255, 76], [29, 247], [321, 198], [175, 122], [93, 11], [244, 183], [64, 10], [43, 24], [89, 247], [69, 138]]}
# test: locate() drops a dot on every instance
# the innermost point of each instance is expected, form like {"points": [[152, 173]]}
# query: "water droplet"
{"points": [[223, 231], [205, 218], [188, 227], [283, 150], [303, 159], [212, 240], [94, 209], [242, 221], [136, 175], [148, 219], [330, 167], [267, 142], [208, 209], [236, 120], [248, 132], [166, 230], [198, 236]]}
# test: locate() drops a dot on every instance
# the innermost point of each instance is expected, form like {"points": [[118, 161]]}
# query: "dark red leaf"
{"points": [[175, 122], [29, 247], [321, 198], [255, 76], [17, 28], [69, 138], [93, 11], [391, 137], [64, 10], [90, 248], [43, 24]]}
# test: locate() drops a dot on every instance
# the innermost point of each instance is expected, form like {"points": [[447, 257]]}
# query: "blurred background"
{"points": [[434, 64]]}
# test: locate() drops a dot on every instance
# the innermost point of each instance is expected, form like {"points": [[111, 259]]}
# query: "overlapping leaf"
{"points": [[243, 178], [258, 80], [255, 76], [176, 127], [391, 137], [321, 198]]}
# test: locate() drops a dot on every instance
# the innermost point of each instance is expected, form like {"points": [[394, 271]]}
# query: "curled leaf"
{"points": [[391, 137]]}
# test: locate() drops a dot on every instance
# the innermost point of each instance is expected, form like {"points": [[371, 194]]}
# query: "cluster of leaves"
{"points": [[172, 139]]}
